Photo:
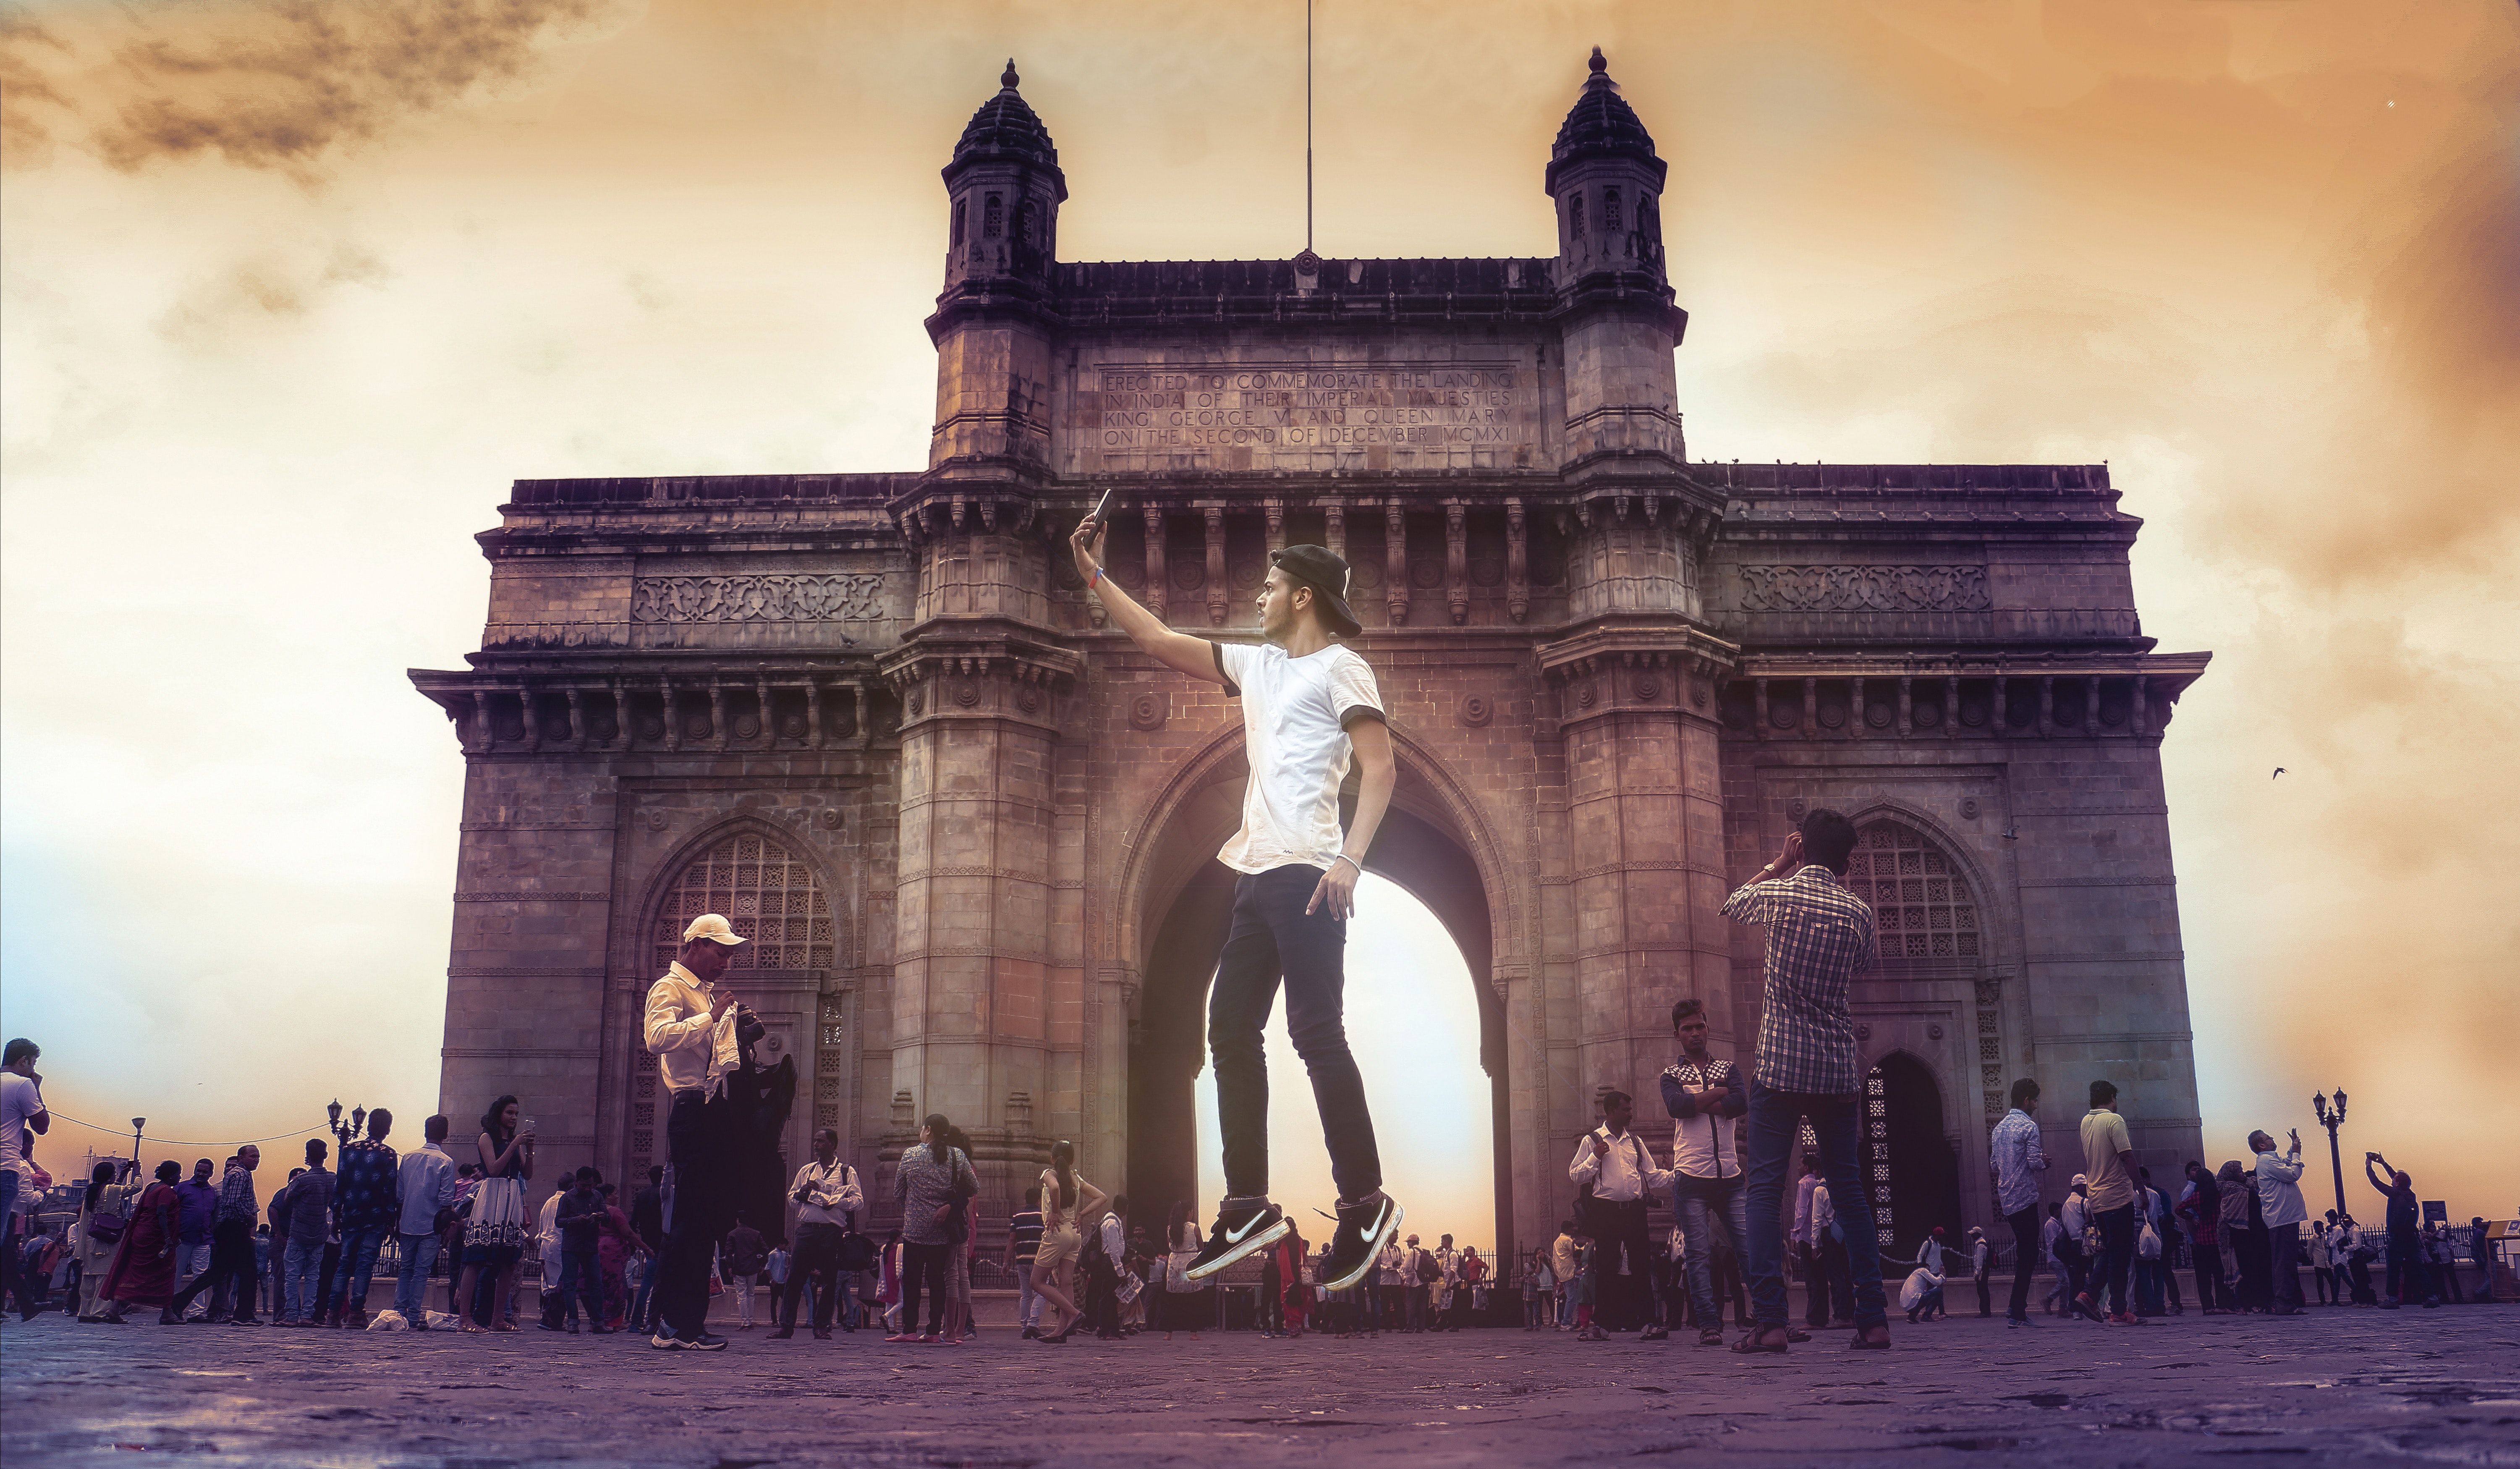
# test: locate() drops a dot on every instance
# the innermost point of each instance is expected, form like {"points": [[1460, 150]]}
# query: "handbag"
{"points": [[857, 1252], [2147, 1245], [106, 1228]]}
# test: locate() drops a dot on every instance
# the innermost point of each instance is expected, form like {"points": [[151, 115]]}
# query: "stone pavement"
{"points": [[2412, 1387]]}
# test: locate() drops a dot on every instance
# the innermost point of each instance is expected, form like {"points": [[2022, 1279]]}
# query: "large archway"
{"points": [[1910, 1169], [1187, 906]]}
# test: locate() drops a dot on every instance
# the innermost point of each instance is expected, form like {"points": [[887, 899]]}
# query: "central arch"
{"points": [[1177, 905]]}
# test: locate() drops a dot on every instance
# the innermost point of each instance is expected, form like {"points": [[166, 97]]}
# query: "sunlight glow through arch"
{"points": [[1412, 1023]]}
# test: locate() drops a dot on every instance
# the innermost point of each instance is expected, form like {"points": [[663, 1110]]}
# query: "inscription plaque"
{"points": [[1270, 408]]}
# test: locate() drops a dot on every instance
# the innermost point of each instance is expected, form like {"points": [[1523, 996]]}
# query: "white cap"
{"points": [[714, 928]]}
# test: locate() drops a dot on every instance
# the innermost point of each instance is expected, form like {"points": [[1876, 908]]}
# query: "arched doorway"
{"points": [[1188, 909], [1909, 1169]]}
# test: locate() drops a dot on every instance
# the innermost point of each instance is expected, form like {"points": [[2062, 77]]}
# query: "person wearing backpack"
{"points": [[828, 1196], [1615, 1175]]}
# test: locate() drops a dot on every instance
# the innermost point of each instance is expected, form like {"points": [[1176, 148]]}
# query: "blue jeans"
{"points": [[1027, 1303], [348, 1287], [1775, 1117], [418, 1253], [301, 1276], [1704, 1204], [643, 1300], [579, 1271]]}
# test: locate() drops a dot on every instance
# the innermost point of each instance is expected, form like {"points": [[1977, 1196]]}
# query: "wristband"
{"points": [[1095, 577], [1351, 861]]}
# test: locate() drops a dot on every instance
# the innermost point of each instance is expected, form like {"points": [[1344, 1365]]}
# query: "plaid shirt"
{"points": [[1819, 936], [236, 1195]]}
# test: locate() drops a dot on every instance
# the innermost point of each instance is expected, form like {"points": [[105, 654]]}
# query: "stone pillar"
{"points": [[972, 918], [1456, 562], [2002, 720], [1952, 707], [1906, 706], [719, 733], [762, 714], [1216, 583], [2140, 717], [620, 715], [533, 725], [1855, 701], [814, 712], [1158, 600], [863, 709], [2047, 707], [1517, 562], [1811, 708], [1395, 562], [1276, 539], [1335, 526], [2092, 706], [1762, 717], [673, 718]]}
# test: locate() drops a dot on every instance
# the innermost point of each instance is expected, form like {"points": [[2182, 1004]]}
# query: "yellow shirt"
{"points": [[2104, 1137]]}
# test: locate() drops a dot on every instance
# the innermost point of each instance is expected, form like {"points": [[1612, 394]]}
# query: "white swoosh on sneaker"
{"points": [[1235, 1236]]}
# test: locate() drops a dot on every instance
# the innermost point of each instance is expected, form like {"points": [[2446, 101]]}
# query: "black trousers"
{"points": [[815, 1263], [1815, 1287], [1619, 1237], [703, 1212], [921, 1266], [1274, 939], [231, 1264], [2025, 1258]]}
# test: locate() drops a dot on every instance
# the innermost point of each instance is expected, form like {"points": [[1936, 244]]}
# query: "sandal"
{"points": [[1751, 1344], [1861, 1342]]}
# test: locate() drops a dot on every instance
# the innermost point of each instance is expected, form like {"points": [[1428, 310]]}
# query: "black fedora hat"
{"points": [[1326, 573]]}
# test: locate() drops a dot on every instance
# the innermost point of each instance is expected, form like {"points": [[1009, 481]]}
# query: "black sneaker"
{"points": [[1364, 1228], [1243, 1229], [663, 1343], [705, 1342]]}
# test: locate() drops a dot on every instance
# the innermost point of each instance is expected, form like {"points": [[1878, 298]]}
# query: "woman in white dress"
{"points": [[495, 1235], [1184, 1302]]}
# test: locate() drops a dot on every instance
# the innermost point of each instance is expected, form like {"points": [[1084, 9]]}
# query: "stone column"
{"points": [[1456, 562], [1811, 708], [533, 725], [673, 718], [814, 711], [576, 723], [1762, 715], [719, 733], [2046, 705], [1216, 583], [1335, 526], [1395, 562], [620, 715], [762, 712], [2140, 717], [863, 709], [1906, 706], [2092, 706], [1158, 600], [1517, 562], [1855, 698], [1276, 539], [1952, 707], [2002, 720]]}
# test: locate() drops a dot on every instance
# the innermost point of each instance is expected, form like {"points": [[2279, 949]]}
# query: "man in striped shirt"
{"points": [[1819, 937]]}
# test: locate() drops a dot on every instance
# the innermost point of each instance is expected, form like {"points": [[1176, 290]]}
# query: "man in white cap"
{"points": [[690, 1029]]}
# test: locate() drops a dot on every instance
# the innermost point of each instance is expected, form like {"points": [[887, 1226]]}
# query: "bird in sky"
{"points": [[2278, 771]]}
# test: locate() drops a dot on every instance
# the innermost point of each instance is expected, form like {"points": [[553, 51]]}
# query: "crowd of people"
{"points": [[2112, 1244]]}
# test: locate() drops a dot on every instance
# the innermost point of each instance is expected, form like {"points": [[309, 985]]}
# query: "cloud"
{"points": [[26, 88], [284, 86]]}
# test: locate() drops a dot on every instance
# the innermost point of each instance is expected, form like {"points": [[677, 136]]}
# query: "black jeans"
{"points": [[1815, 1288], [2284, 1241], [1274, 939], [921, 1264], [2117, 1254], [815, 1262], [702, 1216], [1619, 1236], [2025, 1258], [231, 1263]]}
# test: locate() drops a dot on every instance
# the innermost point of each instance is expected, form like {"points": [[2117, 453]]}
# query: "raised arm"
{"points": [[1177, 651]]}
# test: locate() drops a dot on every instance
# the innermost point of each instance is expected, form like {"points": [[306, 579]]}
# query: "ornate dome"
{"points": [[1006, 128], [1602, 125]]}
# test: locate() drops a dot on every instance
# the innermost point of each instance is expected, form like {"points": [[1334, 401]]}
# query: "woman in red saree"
{"points": [[1293, 1266], [143, 1266]]}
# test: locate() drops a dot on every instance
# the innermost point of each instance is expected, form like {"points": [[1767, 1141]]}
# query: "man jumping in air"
{"points": [[1308, 705]]}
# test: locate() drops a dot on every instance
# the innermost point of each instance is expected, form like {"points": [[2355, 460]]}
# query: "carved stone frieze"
{"points": [[766, 597], [1862, 588]]}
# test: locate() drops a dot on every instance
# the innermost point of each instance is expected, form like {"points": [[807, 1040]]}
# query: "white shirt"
{"points": [[549, 1235], [833, 1193], [691, 1049], [427, 1179], [1295, 714], [19, 1100], [2279, 1189], [1620, 1176]]}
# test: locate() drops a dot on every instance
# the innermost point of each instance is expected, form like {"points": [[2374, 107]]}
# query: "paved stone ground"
{"points": [[2413, 1387]]}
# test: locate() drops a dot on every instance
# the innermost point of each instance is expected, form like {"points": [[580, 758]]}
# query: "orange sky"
{"points": [[289, 293]]}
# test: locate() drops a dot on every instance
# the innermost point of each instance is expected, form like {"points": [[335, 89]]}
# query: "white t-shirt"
{"points": [[1295, 714], [19, 1101]]}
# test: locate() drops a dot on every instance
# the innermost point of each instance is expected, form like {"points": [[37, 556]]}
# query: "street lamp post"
{"points": [[345, 1134], [137, 1123], [2331, 1120]]}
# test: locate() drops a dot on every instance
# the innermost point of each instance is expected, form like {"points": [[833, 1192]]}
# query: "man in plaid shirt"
{"points": [[1819, 937]]}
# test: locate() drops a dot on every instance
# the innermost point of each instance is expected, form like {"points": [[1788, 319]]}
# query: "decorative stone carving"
{"points": [[1476, 711], [1934, 1032], [768, 597], [1648, 687], [1877, 588], [1968, 808], [1147, 712]]}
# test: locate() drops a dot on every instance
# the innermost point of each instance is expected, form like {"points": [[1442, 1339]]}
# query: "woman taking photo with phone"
{"points": [[494, 1237]]}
